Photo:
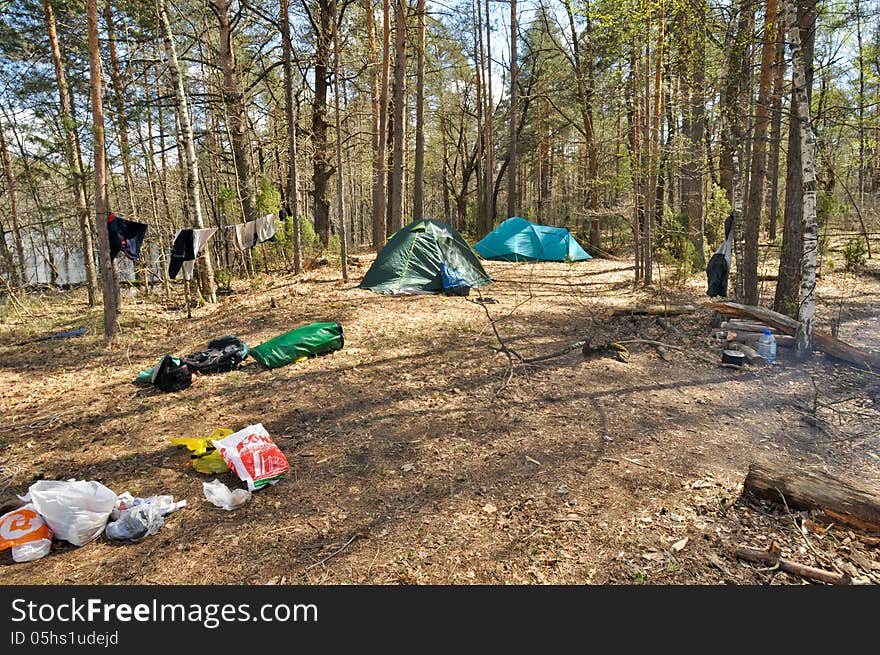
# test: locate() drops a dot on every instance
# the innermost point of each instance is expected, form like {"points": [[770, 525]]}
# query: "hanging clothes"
{"points": [[244, 235], [718, 268], [266, 228], [187, 245], [181, 251], [125, 236]]}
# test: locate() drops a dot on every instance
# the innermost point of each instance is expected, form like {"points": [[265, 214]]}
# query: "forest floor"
{"points": [[413, 458]]}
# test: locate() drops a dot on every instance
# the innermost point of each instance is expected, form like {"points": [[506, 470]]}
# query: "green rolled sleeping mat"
{"points": [[307, 341]]}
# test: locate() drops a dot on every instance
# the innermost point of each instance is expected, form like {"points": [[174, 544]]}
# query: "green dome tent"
{"points": [[519, 240], [411, 260]]}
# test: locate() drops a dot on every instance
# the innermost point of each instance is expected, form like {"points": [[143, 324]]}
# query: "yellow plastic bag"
{"points": [[205, 459], [211, 463]]}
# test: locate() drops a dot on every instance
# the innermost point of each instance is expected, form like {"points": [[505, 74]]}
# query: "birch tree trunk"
{"points": [[108, 273], [790, 269], [800, 101], [193, 192]]}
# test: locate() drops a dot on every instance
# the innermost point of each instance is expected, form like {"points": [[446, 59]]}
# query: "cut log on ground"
{"points": [[751, 354], [814, 490], [654, 310], [747, 326], [822, 341], [771, 557], [751, 338]]}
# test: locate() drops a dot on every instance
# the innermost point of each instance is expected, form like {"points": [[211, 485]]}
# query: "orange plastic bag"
{"points": [[25, 531]]}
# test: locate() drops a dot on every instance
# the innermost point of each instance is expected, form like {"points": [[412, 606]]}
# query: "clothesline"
{"points": [[128, 236]]}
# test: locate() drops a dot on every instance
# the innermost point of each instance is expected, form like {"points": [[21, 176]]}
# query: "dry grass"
{"points": [[409, 440]]}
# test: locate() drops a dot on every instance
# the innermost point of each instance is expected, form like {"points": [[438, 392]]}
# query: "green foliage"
{"points": [[223, 277], [717, 211], [268, 197], [855, 255], [225, 198], [675, 248]]}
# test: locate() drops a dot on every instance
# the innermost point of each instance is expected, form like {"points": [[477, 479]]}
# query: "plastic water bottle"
{"points": [[767, 346]]}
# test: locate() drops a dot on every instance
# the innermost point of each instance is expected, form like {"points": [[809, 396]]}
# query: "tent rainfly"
{"points": [[519, 240], [410, 261]]}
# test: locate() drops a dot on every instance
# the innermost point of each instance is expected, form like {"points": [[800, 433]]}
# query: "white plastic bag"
{"points": [[75, 510], [219, 494], [136, 523], [253, 456]]}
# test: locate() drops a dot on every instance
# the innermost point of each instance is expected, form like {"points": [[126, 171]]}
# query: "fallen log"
{"points": [[822, 341], [654, 310], [771, 558], [751, 354], [747, 326], [751, 338], [813, 490]]}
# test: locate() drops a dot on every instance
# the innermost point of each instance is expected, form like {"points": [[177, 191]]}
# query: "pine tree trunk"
{"points": [[193, 192], [396, 190], [379, 106], [121, 122], [340, 199], [290, 115], [21, 276], [801, 103], [322, 170], [72, 155], [108, 273], [752, 216], [776, 130], [419, 171], [512, 164], [236, 111]]}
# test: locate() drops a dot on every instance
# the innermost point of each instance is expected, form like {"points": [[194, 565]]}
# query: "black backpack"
{"points": [[223, 355], [168, 376]]}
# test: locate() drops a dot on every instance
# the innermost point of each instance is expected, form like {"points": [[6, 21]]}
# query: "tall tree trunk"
{"points": [[776, 130], [72, 155], [396, 191], [21, 275], [654, 152], [108, 273], [752, 215], [735, 49], [121, 122], [379, 117], [694, 124], [340, 199], [236, 111], [512, 166], [193, 193], [290, 115], [489, 116], [789, 278], [419, 172], [801, 103], [322, 169]]}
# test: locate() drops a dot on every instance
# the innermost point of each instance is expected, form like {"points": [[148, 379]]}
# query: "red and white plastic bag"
{"points": [[253, 456]]}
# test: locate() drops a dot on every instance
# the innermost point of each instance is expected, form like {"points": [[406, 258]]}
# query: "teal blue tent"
{"points": [[519, 240]]}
